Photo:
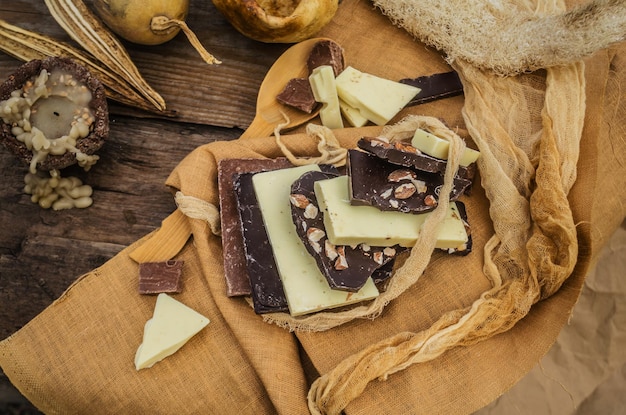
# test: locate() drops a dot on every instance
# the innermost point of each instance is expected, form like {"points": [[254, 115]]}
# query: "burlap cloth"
{"points": [[77, 355]]}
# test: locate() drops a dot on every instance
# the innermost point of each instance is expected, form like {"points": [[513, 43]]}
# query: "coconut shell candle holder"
{"points": [[53, 114]]}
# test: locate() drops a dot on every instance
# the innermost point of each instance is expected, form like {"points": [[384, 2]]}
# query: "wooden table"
{"points": [[43, 251]]}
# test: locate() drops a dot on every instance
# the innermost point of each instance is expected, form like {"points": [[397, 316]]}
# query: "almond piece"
{"points": [[311, 211], [430, 200], [401, 174], [299, 200], [404, 191]]}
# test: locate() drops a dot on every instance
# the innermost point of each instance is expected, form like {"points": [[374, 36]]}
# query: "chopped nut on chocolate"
{"points": [[330, 250], [405, 156], [421, 187], [299, 201], [404, 191], [346, 268], [401, 174], [379, 142], [315, 234], [430, 200], [373, 182], [399, 145], [311, 211], [341, 262]]}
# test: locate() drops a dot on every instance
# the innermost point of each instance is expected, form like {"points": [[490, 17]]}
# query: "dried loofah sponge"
{"points": [[510, 38]]}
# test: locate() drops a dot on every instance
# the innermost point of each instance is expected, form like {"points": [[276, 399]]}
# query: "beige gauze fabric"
{"points": [[464, 330], [528, 129]]}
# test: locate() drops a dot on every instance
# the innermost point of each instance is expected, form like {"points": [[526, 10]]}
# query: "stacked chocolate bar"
{"points": [[302, 239]]}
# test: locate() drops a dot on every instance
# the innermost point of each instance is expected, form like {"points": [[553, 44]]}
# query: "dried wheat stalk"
{"points": [[26, 45], [88, 31]]}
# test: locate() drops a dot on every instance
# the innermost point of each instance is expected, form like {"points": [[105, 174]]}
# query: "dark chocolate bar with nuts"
{"points": [[346, 268], [406, 155], [388, 186]]}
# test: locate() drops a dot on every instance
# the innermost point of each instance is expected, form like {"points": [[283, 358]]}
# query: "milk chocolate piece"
{"points": [[298, 94], [160, 277], [434, 87], [387, 186], [326, 52], [235, 271], [346, 268], [267, 290], [405, 154]]}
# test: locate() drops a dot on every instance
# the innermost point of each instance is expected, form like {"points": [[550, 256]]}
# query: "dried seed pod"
{"points": [[149, 22], [280, 21], [88, 31], [27, 45]]}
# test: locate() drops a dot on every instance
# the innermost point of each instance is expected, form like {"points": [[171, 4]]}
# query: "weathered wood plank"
{"points": [[221, 95], [130, 200]]}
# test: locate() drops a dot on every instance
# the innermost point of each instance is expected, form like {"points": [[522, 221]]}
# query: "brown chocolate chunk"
{"points": [[235, 271], [326, 52], [434, 87], [98, 105], [160, 277], [346, 268], [409, 156], [266, 286], [388, 186], [298, 94]]}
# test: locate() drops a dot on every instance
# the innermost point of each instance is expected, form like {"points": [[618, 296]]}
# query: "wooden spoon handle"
{"points": [[258, 128]]}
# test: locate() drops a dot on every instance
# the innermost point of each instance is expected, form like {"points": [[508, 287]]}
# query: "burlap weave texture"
{"points": [[241, 364]]}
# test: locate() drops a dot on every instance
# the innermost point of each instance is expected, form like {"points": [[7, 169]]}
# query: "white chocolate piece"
{"points": [[352, 115], [452, 233], [351, 225], [322, 80], [305, 286], [378, 99], [438, 147], [171, 326]]}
